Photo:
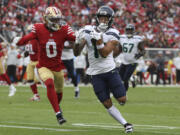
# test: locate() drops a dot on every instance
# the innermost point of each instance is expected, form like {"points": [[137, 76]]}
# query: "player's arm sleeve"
{"points": [[26, 38], [32, 35], [70, 34]]}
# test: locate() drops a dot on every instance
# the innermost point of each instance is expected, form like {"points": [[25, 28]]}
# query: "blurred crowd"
{"points": [[158, 20]]}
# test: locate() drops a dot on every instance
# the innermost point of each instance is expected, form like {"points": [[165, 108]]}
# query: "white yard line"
{"points": [[40, 128], [119, 126], [137, 128], [100, 125]]}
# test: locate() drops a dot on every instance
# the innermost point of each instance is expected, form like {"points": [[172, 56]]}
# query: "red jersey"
{"points": [[32, 48], [51, 44]]}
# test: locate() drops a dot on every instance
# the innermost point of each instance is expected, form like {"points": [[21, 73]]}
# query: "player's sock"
{"points": [[59, 96], [115, 113], [51, 94], [6, 78], [34, 88], [76, 89]]}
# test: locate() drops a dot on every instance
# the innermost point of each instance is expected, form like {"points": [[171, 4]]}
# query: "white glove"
{"points": [[79, 36], [15, 41], [95, 35]]}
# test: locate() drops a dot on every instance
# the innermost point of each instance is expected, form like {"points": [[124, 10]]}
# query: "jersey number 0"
{"points": [[54, 49]]}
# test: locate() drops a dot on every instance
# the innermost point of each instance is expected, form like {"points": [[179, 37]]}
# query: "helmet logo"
{"points": [[52, 18], [103, 13]]}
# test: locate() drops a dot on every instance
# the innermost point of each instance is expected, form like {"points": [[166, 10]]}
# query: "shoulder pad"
{"points": [[138, 37], [87, 29], [123, 36], [113, 32]]}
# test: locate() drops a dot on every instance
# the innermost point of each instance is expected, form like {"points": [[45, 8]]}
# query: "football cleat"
{"points": [[128, 128], [76, 94], [12, 90], [60, 118]]}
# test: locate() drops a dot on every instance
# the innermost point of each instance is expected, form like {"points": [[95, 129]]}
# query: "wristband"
{"points": [[100, 46]]}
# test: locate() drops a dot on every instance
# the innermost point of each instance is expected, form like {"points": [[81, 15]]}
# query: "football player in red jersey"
{"points": [[3, 73], [51, 37], [31, 49]]}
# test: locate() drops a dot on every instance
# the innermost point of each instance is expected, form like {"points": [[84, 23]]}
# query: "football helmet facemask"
{"points": [[130, 29], [104, 11], [52, 18]]}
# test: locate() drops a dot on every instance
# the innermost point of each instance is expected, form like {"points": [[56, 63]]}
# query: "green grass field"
{"points": [[153, 111]]}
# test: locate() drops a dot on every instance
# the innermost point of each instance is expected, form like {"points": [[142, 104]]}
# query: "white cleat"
{"points": [[12, 90], [36, 97]]}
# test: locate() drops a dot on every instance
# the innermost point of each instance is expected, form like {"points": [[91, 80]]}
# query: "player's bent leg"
{"points": [[12, 89], [51, 94], [59, 84], [48, 78], [33, 87], [117, 88], [116, 114], [59, 96], [107, 104], [121, 100]]}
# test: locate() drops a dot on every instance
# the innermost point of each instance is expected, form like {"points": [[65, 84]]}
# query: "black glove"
{"points": [[138, 55], [26, 53]]}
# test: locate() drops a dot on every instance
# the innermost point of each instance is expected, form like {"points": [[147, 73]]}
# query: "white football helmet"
{"points": [[52, 18]]}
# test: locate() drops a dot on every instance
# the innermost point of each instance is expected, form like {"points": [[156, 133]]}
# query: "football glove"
{"points": [[79, 36], [95, 35], [138, 55], [26, 54]]}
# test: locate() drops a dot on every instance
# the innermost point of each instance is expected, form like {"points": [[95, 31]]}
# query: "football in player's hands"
{"points": [[95, 35], [79, 36]]}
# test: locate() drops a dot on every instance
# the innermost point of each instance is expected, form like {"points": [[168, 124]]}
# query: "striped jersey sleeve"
{"points": [[70, 34]]}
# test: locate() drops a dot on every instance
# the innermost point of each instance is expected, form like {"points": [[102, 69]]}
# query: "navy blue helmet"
{"points": [[105, 11]]}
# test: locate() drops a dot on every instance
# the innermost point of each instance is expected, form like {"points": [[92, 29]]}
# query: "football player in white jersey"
{"points": [[132, 49], [101, 40]]}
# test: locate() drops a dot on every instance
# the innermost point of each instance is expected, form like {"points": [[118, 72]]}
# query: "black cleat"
{"points": [[133, 84], [128, 128], [60, 118]]}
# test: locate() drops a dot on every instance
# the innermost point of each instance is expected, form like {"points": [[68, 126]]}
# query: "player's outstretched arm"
{"points": [[22, 41]]}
